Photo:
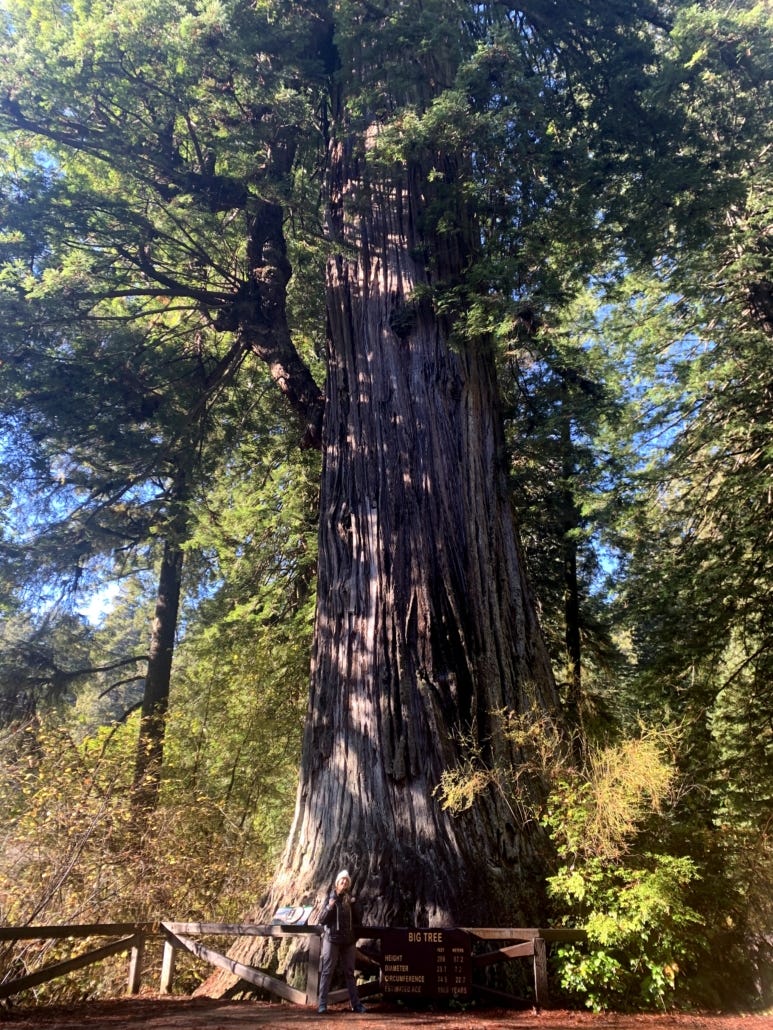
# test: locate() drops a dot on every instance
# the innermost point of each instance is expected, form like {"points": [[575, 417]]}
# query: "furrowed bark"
{"points": [[426, 631], [259, 316]]}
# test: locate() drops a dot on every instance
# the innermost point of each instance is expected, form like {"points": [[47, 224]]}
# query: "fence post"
{"points": [[167, 967], [135, 964], [540, 973], [312, 970]]}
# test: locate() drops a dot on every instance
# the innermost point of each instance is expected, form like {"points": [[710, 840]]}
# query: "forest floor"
{"points": [[164, 1013]]}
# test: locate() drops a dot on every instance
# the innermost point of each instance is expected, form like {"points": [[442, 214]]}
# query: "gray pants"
{"points": [[330, 956]]}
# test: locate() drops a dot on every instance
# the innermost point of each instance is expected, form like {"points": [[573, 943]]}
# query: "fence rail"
{"points": [[515, 943]]}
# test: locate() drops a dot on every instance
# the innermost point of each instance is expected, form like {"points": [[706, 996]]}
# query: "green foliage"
{"points": [[633, 903], [640, 928], [605, 819], [692, 520], [233, 730], [563, 403]]}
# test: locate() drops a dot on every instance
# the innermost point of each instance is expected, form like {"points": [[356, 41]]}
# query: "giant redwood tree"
{"points": [[427, 638], [452, 167]]}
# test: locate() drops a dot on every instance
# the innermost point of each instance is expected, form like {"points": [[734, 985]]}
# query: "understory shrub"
{"points": [[74, 851]]}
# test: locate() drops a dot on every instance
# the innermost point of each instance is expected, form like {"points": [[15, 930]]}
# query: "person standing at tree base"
{"points": [[341, 920]]}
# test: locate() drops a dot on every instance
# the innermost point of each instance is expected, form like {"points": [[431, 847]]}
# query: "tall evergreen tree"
{"points": [[692, 522], [114, 468], [563, 401]]}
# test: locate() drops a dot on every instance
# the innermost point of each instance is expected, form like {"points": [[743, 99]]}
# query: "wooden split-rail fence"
{"points": [[511, 943]]}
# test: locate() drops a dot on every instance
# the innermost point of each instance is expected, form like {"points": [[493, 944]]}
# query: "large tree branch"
{"points": [[259, 316], [292, 376]]}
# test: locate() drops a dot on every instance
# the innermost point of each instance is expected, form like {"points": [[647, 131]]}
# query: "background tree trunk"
{"points": [[155, 697], [570, 516]]}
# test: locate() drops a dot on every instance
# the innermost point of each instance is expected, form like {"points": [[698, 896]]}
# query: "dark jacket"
{"points": [[343, 921]]}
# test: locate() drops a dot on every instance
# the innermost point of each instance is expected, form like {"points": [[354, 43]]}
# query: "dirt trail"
{"points": [[153, 1013]]}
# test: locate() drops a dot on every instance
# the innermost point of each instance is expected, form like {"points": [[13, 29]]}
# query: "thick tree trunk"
{"points": [[425, 627], [426, 634]]}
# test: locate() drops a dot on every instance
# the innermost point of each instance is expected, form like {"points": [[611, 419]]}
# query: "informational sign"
{"points": [[431, 963], [292, 915]]}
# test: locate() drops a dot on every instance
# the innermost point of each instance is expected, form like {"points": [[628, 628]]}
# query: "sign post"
{"points": [[428, 962]]}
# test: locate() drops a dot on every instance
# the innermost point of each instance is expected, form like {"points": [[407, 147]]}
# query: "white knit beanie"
{"points": [[342, 874]]}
